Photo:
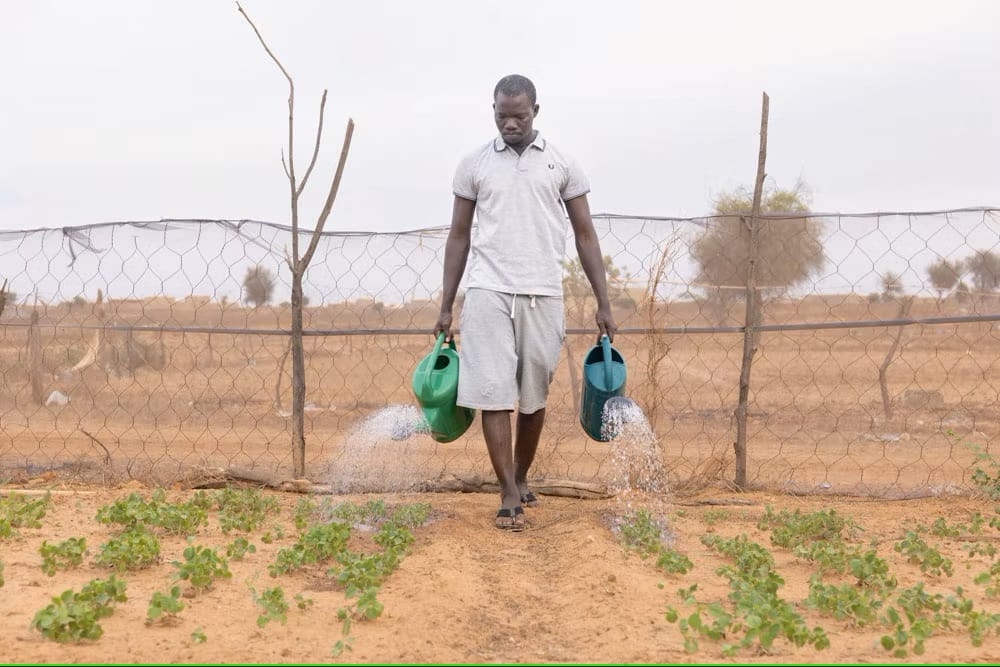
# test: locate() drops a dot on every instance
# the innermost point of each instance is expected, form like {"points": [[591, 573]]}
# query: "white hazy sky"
{"points": [[136, 110]]}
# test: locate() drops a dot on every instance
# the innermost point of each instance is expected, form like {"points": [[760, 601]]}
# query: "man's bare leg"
{"points": [[496, 430], [529, 431]]}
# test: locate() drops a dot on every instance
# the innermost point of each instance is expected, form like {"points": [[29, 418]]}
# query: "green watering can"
{"points": [[603, 378], [435, 384]]}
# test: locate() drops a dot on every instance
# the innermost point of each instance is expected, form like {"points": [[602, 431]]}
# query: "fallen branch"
{"points": [[107, 454]]}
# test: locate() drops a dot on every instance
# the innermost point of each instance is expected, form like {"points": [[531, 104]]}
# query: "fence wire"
{"points": [[143, 349]]}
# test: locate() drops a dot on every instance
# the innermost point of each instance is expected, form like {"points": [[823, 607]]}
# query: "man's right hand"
{"points": [[444, 324]]}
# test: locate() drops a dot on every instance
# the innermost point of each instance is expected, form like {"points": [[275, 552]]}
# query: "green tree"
{"points": [[944, 275], [892, 285], [984, 266], [258, 285], [790, 251]]}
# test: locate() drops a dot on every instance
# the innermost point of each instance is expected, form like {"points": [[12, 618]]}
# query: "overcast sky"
{"points": [[136, 110]]}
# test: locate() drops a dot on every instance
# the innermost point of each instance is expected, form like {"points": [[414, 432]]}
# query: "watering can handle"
{"points": [[608, 374], [434, 355]]}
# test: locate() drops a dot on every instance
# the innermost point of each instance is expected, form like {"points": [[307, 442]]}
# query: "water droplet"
{"points": [[374, 458]]}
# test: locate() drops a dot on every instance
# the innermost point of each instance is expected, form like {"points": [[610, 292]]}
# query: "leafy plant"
{"points": [[371, 513], [990, 577], [711, 517], [272, 601], [830, 556], [133, 549], [74, 616], [17, 511], [175, 518], [917, 551], [870, 570], [302, 513], [759, 617], [640, 532], [164, 606], [987, 475], [243, 509], [302, 602], [796, 529], [411, 515], [980, 549], [201, 566], [320, 543], [238, 548], [941, 528], [62, 556], [198, 636], [857, 605], [1, 574], [673, 562]]}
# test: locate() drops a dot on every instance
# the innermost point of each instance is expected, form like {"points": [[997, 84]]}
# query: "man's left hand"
{"points": [[606, 323]]}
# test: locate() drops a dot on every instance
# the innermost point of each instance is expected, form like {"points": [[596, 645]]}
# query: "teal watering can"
{"points": [[435, 384], [603, 378]]}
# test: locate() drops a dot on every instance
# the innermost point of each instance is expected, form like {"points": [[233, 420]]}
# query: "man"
{"points": [[521, 187]]}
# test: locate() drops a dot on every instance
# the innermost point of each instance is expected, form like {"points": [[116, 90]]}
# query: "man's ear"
{"points": [[535, 110]]}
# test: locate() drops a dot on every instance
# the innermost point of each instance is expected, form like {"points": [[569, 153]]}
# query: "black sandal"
{"points": [[510, 519]]}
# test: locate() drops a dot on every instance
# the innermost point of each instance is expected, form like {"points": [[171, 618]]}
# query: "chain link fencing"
{"points": [[154, 349]]}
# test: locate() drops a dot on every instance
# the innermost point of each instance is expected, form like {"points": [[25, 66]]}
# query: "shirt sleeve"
{"points": [[576, 181], [464, 184]]}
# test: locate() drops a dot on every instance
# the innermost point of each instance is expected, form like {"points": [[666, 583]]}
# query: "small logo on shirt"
{"points": [[551, 166]]}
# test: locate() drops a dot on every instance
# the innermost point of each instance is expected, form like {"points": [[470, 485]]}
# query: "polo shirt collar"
{"points": [[500, 145]]}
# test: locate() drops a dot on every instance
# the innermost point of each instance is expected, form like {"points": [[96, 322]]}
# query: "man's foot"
{"points": [[511, 519], [529, 499]]}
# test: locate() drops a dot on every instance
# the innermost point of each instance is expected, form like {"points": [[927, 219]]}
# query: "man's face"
{"points": [[514, 116]]}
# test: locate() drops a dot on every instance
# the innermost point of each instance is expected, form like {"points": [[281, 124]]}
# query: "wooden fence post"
{"points": [[752, 306]]}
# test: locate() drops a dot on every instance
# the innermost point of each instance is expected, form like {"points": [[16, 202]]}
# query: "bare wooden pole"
{"points": [[298, 264], [883, 382], [752, 305], [35, 359]]}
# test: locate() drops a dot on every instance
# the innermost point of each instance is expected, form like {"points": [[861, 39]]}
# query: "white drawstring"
{"points": [[513, 304]]}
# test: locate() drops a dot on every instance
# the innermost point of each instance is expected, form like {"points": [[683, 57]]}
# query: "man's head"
{"points": [[514, 109]]}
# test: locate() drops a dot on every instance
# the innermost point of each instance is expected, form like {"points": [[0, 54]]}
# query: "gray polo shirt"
{"points": [[520, 236]]}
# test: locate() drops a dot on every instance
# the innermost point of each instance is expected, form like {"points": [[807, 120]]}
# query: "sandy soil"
{"points": [[563, 590]]}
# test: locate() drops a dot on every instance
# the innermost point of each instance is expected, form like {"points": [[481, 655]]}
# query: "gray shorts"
{"points": [[508, 349]]}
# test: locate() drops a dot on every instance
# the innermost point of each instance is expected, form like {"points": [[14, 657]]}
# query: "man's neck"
{"points": [[520, 148]]}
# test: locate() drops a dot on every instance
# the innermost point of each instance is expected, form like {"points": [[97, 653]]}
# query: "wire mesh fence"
{"points": [[151, 349]]}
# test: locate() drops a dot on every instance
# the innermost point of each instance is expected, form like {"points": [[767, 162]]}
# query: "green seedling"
{"points": [[198, 636], [673, 562], [859, 606], [918, 552], [320, 543], [711, 517], [164, 607], [303, 512], [17, 511], [173, 518], [302, 602], [73, 617], [987, 549], [272, 601], [135, 548], [238, 548], [62, 556], [243, 510], [991, 578], [201, 567], [795, 529]]}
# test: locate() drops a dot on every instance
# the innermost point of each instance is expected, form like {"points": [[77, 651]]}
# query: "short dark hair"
{"points": [[513, 85]]}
